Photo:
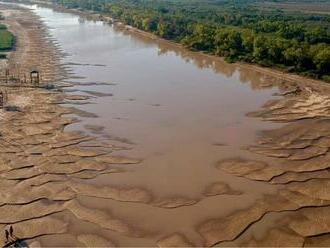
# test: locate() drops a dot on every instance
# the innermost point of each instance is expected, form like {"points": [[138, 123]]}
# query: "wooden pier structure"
{"points": [[32, 80], [17, 80]]}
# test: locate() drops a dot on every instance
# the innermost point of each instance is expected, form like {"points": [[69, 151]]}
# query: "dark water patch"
{"points": [[83, 64], [98, 94]]}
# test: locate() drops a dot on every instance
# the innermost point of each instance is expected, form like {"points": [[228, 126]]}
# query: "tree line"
{"points": [[238, 30]]}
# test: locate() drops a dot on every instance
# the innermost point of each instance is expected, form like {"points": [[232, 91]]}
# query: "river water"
{"points": [[178, 111]]}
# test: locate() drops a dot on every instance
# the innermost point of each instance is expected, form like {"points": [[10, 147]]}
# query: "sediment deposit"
{"points": [[48, 197]]}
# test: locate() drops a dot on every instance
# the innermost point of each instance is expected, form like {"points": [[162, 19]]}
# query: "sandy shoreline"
{"points": [[43, 168], [36, 182]]}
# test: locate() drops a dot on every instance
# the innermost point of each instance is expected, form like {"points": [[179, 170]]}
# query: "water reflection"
{"points": [[203, 61], [257, 80], [170, 106]]}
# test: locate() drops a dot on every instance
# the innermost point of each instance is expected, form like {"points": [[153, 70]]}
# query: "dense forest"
{"points": [[238, 30]]}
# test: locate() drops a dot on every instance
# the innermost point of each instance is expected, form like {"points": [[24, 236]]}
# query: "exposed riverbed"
{"points": [[179, 111], [188, 166]]}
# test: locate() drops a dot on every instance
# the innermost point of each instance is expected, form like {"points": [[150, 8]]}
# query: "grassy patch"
{"points": [[6, 40]]}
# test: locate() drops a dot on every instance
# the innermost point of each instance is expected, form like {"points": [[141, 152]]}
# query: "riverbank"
{"points": [[35, 153], [286, 157], [258, 60], [271, 71], [48, 198]]}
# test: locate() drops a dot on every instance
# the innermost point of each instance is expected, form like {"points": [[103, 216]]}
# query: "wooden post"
{"points": [[7, 75], [1, 100]]}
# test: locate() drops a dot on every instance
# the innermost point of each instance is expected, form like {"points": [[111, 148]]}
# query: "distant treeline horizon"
{"points": [[249, 31]]}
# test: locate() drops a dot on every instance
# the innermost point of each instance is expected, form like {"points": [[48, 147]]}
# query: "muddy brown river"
{"points": [[179, 112]]}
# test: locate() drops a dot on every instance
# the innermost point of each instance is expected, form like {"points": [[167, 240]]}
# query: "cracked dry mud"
{"points": [[44, 188]]}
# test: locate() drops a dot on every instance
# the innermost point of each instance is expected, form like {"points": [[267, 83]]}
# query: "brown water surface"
{"points": [[178, 111]]}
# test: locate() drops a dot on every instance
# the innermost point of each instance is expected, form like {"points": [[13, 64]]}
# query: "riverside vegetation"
{"points": [[67, 188], [295, 41], [6, 40]]}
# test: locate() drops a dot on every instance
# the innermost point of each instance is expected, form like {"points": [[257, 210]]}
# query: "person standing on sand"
{"points": [[7, 236], [12, 240]]}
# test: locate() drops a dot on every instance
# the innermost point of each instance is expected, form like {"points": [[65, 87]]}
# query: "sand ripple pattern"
{"points": [[43, 169], [296, 159]]}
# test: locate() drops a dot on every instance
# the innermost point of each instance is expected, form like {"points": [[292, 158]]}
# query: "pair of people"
{"points": [[11, 239]]}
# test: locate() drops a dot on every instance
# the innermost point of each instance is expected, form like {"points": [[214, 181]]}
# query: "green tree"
{"points": [[322, 61]]}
